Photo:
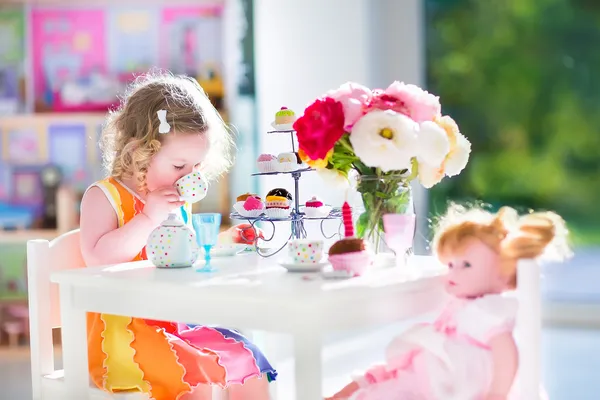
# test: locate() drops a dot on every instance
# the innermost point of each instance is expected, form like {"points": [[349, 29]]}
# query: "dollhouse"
{"points": [[61, 69]]}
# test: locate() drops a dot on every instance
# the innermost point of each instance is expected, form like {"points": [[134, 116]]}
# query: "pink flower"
{"points": [[422, 105], [417, 103], [354, 97]]}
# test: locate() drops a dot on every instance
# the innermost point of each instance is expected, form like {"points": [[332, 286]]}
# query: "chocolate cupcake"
{"points": [[280, 192], [347, 245]]}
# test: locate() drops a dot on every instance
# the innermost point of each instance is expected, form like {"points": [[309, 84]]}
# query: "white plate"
{"points": [[291, 266], [321, 212], [282, 127], [227, 250]]}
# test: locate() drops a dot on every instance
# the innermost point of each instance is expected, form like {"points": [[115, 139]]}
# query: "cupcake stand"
{"points": [[297, 216]]}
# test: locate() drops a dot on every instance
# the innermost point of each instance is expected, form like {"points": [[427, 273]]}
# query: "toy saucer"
{"points": [[227, 250], [282, 127], [292, 266]]}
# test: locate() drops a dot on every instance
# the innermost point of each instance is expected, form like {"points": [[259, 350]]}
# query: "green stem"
{"points": [[414, 170], [344, 142]]}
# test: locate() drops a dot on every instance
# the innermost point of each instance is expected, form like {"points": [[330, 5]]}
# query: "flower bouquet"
{"points": [[388, 138]]}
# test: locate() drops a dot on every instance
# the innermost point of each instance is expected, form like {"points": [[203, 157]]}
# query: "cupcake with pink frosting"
{"points": [[314, 208], [251, 208], [267, 163]]}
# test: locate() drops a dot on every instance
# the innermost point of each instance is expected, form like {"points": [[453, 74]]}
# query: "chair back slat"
{"points": [[529, 329], [65, 254], [44, 258]]}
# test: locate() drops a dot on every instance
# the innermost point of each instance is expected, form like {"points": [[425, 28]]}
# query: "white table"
{"points": [[247, 292]]}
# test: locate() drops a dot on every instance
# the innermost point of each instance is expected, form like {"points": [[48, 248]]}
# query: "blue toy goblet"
{"points": [[206, 226]]}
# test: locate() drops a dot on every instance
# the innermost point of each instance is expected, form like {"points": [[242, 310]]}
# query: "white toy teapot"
{"points": [[172, 244]]}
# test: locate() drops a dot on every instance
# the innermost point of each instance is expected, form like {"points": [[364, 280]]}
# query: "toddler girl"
{"points": [[146, 152], [468, 353]]}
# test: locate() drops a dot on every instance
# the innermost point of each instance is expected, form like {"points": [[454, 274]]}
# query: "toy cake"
{"points": [[277, 207], [349, 254], [314, 208], [287, 162], [243, 197], [252, 207], [284, 119], [267, 163], [281, 192]]}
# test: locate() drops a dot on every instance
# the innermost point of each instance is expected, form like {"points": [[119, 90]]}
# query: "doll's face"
{"points": [[474, 270]]}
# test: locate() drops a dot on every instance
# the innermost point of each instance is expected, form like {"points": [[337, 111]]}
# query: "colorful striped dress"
{"points": [[163, 359]]}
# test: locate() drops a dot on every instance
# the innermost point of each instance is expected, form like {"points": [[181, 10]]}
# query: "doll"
{"points": [[468, 352]]}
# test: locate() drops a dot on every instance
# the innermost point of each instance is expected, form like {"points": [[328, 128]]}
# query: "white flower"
{"points": [[385, 139], [333, 178], [459, 155], [429, 175], [433, 143]]}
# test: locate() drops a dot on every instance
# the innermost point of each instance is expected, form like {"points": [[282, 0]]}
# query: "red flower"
{"points": [[321, 126]]}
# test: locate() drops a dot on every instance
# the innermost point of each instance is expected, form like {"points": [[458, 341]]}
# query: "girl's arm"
{"points": [[102, 242], [505, 359]]}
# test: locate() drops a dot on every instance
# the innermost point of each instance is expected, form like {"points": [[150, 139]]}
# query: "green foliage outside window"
{"points": [[522, 79]]}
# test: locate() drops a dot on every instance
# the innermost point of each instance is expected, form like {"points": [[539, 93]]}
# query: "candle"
{"points": [[347, 219]]}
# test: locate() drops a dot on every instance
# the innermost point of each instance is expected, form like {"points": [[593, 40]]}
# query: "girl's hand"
{"points": [[244, 233], [160, 203], [495, 397]]}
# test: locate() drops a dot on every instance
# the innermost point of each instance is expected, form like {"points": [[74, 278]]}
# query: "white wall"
{"points": [[397, 47], [303, 48]]}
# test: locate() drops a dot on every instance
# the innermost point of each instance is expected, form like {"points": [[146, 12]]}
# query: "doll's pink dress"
{"points": [[449, 359]]}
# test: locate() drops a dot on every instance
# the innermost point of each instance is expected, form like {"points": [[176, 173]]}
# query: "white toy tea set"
{"points": [[173, 244], [304, 255], [349, 256]]}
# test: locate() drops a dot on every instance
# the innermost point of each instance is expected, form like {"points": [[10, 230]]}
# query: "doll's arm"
{"points": [[376, 374], [346, 392], [505, 358]]}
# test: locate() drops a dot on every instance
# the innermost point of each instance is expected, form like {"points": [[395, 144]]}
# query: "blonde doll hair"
{"points": [[130, 137], [512, 237]]}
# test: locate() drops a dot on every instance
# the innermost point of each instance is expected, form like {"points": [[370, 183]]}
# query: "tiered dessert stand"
{"points": [[297, 215]]}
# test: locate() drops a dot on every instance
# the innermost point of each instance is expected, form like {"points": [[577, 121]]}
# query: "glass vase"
{"points": [[381, 195]]}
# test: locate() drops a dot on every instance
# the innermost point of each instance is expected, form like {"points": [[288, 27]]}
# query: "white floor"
{"points": [[571, 363]]}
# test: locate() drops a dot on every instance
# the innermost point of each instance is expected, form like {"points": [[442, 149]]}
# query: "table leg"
{"points": [[74, 346], [308, 366]]}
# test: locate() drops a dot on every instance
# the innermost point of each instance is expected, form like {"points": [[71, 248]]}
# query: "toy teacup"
{"points": [[192, 187], [305, 251]]}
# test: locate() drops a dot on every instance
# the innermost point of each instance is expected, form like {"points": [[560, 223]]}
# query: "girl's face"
{"points": [[474, 270], [178, 156]]}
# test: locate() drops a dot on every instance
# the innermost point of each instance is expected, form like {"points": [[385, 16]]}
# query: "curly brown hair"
{"points": [[130, 137]]}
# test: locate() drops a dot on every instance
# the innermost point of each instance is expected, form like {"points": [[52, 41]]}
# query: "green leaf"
{"points": [[362, 224]]}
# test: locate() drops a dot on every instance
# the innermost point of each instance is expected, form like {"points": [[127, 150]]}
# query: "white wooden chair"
{"points": [[43, 258], [528, 331]]}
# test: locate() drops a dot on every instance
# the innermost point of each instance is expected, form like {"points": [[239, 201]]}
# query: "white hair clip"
{"points": [[164, 126]]}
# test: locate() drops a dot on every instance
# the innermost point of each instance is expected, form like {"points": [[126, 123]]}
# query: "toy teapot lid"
{"points": [[172, 220]]}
